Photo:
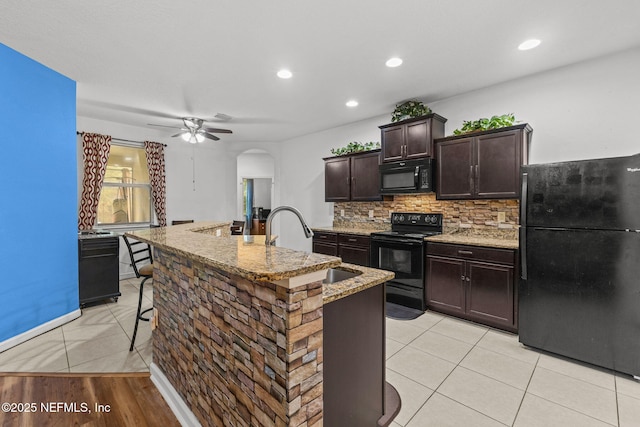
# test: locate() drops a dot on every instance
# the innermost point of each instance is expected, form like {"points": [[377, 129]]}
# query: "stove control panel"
{"points": [[403, 218]]}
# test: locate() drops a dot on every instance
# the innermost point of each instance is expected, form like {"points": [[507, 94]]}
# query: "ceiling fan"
{"points": [[193, 132]]}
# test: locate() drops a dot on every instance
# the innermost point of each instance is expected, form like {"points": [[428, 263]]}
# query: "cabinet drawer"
{"points": [[325, 236], [354, 240], [479, 253]]}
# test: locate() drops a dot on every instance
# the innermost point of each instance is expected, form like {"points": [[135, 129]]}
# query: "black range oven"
{"points": [[402, 250]]}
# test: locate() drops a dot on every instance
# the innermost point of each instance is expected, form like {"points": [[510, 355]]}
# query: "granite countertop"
{"points": [[504, 241], [369, 278], [360, 231], [246, 256]]}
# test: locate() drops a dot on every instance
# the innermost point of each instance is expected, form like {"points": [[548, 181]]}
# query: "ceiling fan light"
{"points": [[199, 137], [193, 139], [186, 136]]}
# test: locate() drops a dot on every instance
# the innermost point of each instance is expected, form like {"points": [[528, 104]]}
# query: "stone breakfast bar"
{"points": [[249, 335]]}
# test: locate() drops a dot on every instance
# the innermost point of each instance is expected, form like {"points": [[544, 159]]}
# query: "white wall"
{"points": [[586, 110], [583, 111], [262, 192]]}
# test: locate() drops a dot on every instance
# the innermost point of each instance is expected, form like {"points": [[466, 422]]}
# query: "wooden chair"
{"points": [[237, 228], [140, 253]]}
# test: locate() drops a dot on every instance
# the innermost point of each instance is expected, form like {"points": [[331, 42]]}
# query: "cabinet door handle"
{"points": [[471, 180], [468, 279], [465, 252], [353, 240], [463, 278], [322, 236], [476, 179]]}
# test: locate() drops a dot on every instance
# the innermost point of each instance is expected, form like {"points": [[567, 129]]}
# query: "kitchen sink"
{"points": [[337, 275]]}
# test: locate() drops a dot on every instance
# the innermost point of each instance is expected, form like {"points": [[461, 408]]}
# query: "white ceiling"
{"points": [[143, 61]]}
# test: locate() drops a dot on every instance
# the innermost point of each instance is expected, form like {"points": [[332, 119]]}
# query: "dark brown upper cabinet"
{"points": [[352, 177], [411, 138], [482, 165]]}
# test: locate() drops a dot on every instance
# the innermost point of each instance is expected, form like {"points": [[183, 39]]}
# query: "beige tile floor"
{"points": [[455, 373], [448, 372], [97, 341]]}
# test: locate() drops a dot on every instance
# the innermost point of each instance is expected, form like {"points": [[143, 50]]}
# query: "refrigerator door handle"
{"points": [[523, 227]]}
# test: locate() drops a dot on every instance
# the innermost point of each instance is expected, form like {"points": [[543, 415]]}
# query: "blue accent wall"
{"points": [[38, 188]]}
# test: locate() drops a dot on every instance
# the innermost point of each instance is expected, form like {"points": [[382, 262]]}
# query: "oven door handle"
{"points": [[407, 242]]}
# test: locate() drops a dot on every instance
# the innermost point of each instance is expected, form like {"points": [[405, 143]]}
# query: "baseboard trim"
{"points": [[173, 399], [38, 330]]}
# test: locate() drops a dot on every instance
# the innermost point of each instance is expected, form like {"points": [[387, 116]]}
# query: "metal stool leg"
{"points": [[139, 313]]}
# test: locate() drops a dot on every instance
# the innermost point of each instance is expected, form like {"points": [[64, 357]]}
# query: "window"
{"points": [[126, 191]]}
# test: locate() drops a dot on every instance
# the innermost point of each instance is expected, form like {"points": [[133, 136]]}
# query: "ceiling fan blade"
{"points": [[165, 126], [209, 136], [177, 134], [216, 130]]}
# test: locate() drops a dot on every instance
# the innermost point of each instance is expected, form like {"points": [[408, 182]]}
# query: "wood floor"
{"points": [[82, 400]]}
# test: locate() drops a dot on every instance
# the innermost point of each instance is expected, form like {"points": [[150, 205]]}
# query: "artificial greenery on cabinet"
{"points": [[409, 109], [495, 122], [355, 147]]}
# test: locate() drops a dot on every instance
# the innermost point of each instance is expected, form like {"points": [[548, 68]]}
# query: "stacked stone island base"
{"points": [[240, 325]]}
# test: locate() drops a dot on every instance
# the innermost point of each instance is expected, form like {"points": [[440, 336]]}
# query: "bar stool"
{"points": [[140, 252]]}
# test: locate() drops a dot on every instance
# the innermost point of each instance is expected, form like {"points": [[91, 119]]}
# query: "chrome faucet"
{"points": [[271, 240]]}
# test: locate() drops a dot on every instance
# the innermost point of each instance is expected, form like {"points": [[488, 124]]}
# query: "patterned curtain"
{"points": [[155, 163], [95, 148]]}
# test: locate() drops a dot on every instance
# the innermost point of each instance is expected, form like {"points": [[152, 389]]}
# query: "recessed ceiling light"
{"points": [[393, 62], [352, 103], [285, 74], [529, 44]]}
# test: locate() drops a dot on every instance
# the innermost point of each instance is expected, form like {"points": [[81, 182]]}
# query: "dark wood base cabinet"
{"points": [[325, 243], [354, 249], [474, 283]]}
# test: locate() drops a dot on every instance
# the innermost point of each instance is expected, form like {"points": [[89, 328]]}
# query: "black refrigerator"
{"points": [[579, 293]]}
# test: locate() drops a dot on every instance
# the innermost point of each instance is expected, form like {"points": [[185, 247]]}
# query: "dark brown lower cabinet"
{"points": [[325, 243], [353, 249], [474, 283]]}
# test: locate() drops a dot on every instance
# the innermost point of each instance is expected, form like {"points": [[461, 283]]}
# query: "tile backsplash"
{"points": [[458, 214]]}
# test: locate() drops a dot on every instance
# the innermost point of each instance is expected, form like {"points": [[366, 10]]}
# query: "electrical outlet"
{"points": [[370, 213], [341, 212], [218, 232], [502, 217]]}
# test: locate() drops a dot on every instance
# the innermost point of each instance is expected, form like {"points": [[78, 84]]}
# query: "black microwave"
{"points": [[407, 177]]}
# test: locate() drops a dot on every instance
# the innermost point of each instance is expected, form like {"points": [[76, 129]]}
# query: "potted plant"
{"points": [[409, 109], [355, 147], [495, 122]]}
